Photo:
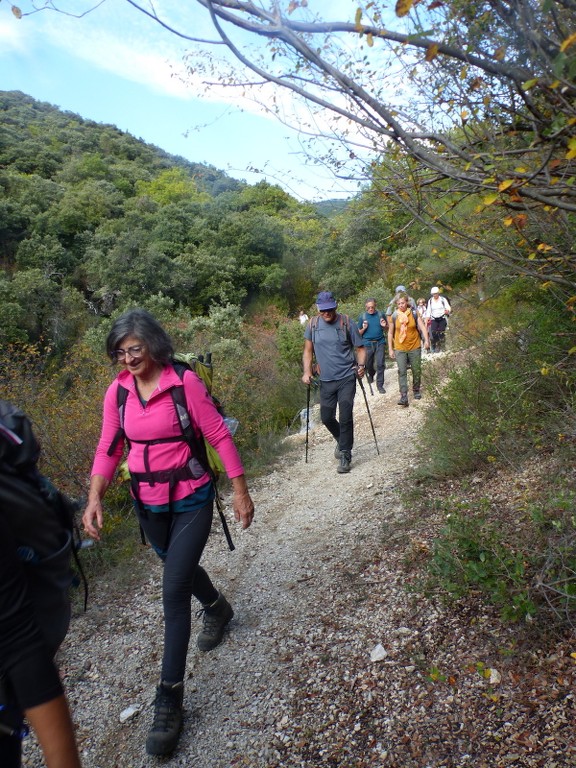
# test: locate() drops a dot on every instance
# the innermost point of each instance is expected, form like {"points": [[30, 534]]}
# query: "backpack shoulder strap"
{"points": [[121, 397], [197, 445]]}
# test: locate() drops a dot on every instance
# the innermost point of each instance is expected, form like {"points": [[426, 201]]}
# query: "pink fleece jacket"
{"points": [[158, 419]]}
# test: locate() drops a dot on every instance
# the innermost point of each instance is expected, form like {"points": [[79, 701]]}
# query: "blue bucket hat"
{"points": [[325, 301]]}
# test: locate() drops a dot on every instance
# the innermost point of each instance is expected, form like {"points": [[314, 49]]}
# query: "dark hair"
{"points": [[141, 324]]}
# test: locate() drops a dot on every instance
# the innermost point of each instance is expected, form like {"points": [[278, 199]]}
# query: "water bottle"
{"points": [[232, 424]]}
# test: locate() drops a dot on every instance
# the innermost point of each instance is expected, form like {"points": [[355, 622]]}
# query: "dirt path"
{"points": [[332, 659]]}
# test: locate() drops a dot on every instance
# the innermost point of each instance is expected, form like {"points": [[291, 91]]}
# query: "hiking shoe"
{"points": [[337, 451], [382, 390], [403, 400], [417, 395], [215, 618], [165, 731], [344, 465]]}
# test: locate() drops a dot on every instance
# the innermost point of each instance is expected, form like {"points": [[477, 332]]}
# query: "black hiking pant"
{"points": [[375, 361], [179, 540], [437, 332], [339, 394]]}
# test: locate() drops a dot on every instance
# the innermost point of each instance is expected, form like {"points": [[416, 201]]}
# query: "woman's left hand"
{"points": [[243, 508]]}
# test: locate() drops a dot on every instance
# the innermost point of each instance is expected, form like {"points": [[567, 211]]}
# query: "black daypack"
{"points": [[41, 520], [203, 459]]}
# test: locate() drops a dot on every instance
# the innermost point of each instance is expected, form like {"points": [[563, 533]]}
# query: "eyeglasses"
{"points": [[120, 354]]}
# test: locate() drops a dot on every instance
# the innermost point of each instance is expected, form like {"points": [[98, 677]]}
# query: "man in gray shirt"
{"points": [[334, 340]]}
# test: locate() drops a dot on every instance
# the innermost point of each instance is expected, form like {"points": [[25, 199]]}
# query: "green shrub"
{"points": [[472, 554]]}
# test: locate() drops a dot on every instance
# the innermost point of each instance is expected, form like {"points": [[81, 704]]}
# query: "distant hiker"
{"points": [[173, 495], [406, 330], [373, 328], [398, 291], [333, 339], [303, 317], [421, 306], [437, 312], [34, 605]]}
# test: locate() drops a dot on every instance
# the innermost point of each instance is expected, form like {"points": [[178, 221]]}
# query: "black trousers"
{"points": [[375, 356], [179, 540], [339, 394]]}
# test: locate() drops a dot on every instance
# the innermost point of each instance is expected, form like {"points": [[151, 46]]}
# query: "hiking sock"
{"points": [[214, 619], [167, 724]]}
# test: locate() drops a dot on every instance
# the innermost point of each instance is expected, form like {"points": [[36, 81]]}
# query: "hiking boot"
{"points": [[163, 736], [344, 465], [215, 618], [403, 400], [417, 394], [382, 390]]}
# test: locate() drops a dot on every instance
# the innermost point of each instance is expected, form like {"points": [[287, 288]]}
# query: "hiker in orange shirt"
{"points": [[406, 330]]}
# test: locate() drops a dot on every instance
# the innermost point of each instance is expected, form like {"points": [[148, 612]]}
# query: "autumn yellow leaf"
{"points": [[489, 199], [544, 247], [17, 12], [431, 52], [568, 42], [499, 53], [403, 7], [370, 39], [358, 19], [520, 169], [572, 352], [530, 84], [505, 184]]}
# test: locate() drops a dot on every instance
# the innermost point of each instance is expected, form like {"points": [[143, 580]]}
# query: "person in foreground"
{"points": [[173, 495], [334, 339], [29, 677], [406, 330], [30, 685]]}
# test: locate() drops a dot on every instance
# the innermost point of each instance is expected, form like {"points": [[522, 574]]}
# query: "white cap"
{"points": [[435, 290]]}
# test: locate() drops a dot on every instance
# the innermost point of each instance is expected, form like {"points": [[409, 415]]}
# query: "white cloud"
{"points": [[11, 37]]}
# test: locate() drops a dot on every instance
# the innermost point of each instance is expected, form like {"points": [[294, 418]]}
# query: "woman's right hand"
{"points": [[93, 518]]}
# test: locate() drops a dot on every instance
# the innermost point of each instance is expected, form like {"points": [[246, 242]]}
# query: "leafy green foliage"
{"points": [[512, 397], [99, 213]]}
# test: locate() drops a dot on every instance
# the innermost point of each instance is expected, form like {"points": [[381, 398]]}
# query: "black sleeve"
{"points": [[25, 659]]}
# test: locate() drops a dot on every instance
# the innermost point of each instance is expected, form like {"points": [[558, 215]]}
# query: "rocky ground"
{"points": [[334, 657]]}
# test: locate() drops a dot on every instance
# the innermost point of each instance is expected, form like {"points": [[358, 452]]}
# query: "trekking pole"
{"points": [[220, 508], [307, 420], [369, 414]]}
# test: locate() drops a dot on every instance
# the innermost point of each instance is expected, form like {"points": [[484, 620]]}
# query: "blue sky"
{"points": [[116, 66]]}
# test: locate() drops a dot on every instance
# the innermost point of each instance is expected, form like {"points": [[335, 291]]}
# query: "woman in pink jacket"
{"points": [[173, 495]]}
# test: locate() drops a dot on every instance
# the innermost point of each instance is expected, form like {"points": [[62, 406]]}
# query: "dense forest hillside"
{"points": [[92, 219]]}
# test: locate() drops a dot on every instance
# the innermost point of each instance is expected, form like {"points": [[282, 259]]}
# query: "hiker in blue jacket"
{"points": [[334, 340], [373, 328]]}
